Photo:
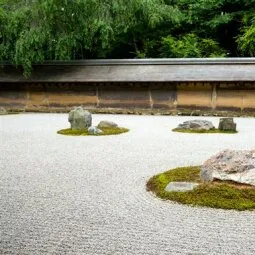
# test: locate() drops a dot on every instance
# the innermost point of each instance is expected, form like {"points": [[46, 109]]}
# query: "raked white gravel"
{"points": [[86, 195]]}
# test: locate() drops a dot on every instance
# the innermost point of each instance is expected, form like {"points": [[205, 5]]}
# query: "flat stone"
{"points": [[196, 125], [181, 186], [107, 124]]}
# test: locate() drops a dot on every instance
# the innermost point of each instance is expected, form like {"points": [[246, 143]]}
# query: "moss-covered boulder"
{"points": [[79, 118]]}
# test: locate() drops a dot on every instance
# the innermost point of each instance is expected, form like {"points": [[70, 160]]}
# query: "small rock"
{"points": [[79, 118], [237, 166], [181, 186], [227, 124], [196, 125], [94, 131], [206, 174], [195, 113], [3, 111], [106, 124]]}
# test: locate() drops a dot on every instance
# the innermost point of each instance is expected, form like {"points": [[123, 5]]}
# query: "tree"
{"points": [[54, 29], [246, 41], [70, 29], [34, 31]]}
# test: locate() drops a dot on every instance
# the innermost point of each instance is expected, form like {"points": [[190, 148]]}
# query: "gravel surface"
{"points": [[86, 195]]}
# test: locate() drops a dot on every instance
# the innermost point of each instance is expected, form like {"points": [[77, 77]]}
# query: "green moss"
{"points": [[225, 195], [9, 113], [106, 131], [211, 131]]}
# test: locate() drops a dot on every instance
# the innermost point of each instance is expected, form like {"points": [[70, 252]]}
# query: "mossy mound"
{"points": [[218, 194], [9, 113], [211, 131], [106, 131]]}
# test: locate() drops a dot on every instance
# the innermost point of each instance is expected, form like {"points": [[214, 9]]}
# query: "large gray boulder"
{"points": [[237, 166], [227, 124], [3, 111], [196, 125], [79, 118], [106, 124]]}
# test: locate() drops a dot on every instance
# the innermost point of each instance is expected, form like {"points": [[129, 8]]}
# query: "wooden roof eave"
{"points": [[158, 70]]}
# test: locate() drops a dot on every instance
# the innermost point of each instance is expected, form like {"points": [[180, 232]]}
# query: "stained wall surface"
{"points": [[147, 95]]}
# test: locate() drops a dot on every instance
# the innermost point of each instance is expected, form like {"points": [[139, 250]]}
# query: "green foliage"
{"points": [[30, 48], [190, 46], [106, 131], [246, 41], [225, 195], [53, 29], [186, 47], [32, 32], [211, 49], [219, 20]]}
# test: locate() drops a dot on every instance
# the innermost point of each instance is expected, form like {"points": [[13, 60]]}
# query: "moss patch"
{"points": [[211, 131], [106, 131], [9, 113], [225, 195]]}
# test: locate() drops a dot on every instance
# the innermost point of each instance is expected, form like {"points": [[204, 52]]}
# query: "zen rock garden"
{"points": [[81, 124], [84, 194], [226, 180], [226, 125]]}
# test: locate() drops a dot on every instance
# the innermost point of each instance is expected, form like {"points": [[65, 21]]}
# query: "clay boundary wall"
{"points": [[51, 97]]}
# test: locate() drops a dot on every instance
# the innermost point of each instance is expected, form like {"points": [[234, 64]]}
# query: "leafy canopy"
{"points": [[34, 31]]}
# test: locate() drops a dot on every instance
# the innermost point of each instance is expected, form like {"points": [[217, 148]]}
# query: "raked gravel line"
{"points": [[86, 195]]}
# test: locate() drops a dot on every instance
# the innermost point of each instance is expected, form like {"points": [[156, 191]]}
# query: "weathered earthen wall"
{"points": [[184, 95]]}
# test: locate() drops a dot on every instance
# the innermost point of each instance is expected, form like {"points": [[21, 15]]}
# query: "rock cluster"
{"points": [[233, 165], [225, 124], [81, 119], [196, 125]]}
